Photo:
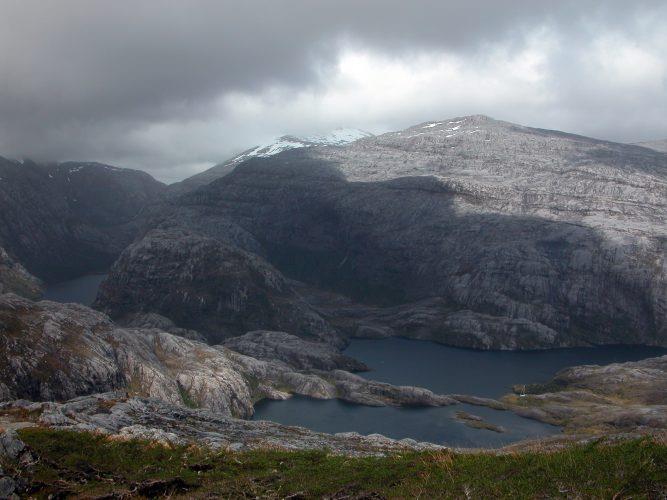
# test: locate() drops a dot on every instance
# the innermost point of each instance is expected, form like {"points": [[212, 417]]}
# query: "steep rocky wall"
{"points": [[63, 220], [206, 285]]}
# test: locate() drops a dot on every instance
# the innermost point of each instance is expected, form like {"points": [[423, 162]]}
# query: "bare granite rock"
{"points": [[620, 396], [15, 279], [156, 420], [203, 284], [294, 351], [153, 320], [54, 351], [468, 231]]}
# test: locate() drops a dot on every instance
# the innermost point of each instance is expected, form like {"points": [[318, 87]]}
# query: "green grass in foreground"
{"points": [[82, 464]]}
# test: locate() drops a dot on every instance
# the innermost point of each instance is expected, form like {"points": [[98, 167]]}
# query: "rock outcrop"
{"points": [[620, 396], [63, 220], [294, 351], [477, 232], [59, 351], [127, 418], [203, 284], [55, 352], [15, 279], [14, 453]]}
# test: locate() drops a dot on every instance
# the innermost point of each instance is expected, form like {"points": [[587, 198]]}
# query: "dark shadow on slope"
{"points": [[388, 243]]}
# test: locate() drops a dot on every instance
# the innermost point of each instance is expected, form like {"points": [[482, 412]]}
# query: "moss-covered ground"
{"points": [[87, 465]]}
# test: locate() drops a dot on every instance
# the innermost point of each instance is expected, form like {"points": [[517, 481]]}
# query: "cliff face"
{"points": [[63, 220], [469, 231], [206, 285]]}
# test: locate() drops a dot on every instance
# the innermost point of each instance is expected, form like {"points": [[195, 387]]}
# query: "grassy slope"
{"points": [[86, 464]]}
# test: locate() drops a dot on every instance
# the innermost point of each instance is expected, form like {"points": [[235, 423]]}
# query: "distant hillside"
{"points": [[62, 220], [657, 145]]}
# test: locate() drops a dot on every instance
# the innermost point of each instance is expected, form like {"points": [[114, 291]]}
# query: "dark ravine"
{"points": [[471, 232]]}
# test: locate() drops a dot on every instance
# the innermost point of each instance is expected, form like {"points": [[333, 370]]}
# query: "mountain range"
{"points": [[246, 282], [468, 231], [337, 137]]}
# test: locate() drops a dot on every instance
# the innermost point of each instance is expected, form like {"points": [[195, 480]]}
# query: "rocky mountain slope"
{"points": [[15, 279], [337, 137], [86, 373], [657, 145], [206, 285], [116, 415], [55, 352], [468, 231], [62, 220]]}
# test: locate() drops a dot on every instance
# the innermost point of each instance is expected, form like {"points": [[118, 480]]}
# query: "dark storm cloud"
{"points": [[80, 78]]}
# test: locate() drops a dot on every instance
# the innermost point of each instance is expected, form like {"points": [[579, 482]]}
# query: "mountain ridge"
{"points": [[61, 220], [468, 231], [337, 137]]}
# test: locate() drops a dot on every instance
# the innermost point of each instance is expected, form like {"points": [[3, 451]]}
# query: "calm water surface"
{"points": [[451, 370], [442, 369], [82, 289]]}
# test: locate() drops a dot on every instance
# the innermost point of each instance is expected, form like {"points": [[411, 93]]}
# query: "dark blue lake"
{"points": [[445, 370], [452, 370]]}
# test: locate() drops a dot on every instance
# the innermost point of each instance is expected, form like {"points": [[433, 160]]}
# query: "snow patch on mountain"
{"points": [[337, 137]]}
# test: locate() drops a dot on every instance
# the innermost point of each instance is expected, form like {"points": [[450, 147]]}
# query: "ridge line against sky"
{"points": [[173, 88]]}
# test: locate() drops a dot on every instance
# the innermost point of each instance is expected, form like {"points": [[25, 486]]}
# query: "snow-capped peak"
{"points": [[337, 137]]}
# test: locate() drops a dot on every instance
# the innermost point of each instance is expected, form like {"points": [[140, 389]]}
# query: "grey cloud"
{"points": [[80, 77]]}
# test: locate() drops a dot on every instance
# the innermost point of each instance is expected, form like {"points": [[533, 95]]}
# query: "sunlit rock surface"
{"points": [[467, 231], [54, 352]]}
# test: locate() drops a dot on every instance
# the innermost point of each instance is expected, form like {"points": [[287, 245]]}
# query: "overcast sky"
{"points": [[172, 87]]}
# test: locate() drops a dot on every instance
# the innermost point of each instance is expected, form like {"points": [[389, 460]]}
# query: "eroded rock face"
{"points": [[206, 285], [59, 351], [619, 396], [63, 220], [501, 236], [15, 279], [294, 351]]}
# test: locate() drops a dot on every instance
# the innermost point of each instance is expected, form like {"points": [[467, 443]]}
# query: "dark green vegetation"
{"points": [[81, 464]]}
